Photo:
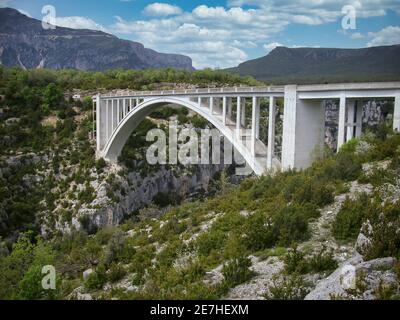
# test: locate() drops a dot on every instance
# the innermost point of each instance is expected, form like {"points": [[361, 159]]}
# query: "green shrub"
{"points": [[348, 221], [295, 262], [116, 272], [209, 241], [291, 224], [323, 261], [97, 279], [385, 241], [118, 249], [237, 271], [100, 165], [259, 232], [291, 287]]}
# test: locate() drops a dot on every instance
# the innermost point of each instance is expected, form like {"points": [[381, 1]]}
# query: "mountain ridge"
{"points": [[312, 65], [24, 43]]}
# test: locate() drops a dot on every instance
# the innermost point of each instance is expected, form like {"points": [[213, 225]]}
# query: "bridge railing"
{"points": [[128, 93]]}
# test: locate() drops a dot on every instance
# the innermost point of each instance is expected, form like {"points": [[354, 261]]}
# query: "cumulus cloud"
{"points": [[271, 46], [76, 22], [218, 36], [387, 36], [212, 36], [161, 10]]}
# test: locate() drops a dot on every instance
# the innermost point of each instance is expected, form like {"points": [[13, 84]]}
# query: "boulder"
{"points": [[343, 282], [87, 273], [364, 238]]}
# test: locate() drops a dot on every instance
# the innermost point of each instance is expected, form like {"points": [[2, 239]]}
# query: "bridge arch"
{"points": [[124, 129]]}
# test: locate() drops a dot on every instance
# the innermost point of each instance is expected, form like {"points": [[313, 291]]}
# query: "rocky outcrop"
{"points": [[141, 192], [356, 279], [24, 43]]}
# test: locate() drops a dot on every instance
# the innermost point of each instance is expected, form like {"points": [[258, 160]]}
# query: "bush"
{"points": [[118, 249], [116, 272], [296, 262], [385, 240], [291, 287], [348, 221], [237, 271], [259, 232], [323, 261], [209, 241], [100, 165], [97, 279], [292, 224]]}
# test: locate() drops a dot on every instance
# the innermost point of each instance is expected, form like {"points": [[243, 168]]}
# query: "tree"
{"points": [[52, 97]]}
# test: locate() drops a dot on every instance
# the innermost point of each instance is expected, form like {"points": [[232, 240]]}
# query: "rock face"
{"points": [[142, 192], [356, 279], [24, 43], [374, 112]]}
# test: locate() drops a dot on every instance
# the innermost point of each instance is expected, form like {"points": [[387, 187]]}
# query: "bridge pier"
{"points": [[238, 117], [255, 120], [271, 132], [396, 113], [303, 129], [354, 119]]}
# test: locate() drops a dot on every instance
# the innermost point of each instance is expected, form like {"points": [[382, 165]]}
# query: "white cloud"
{"points": [[161, 10], [76, 22], [271, 46], [220, 36], [387, 36], [357, 35], [25, 13]]}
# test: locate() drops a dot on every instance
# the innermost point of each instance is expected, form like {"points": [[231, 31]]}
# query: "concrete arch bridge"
{"points": [[303, 118]]}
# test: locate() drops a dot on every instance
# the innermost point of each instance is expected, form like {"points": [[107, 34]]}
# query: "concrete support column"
{"points": [[238, 116], [99, 116], [118, 111], [124, 109], [254, 121], [211, 105], [243, 116], [271, 132], [112, 117], [396, 113], [351, 112], [224, 110], [303, 129], [137, 102], [359, 115], [115, 115], [342, 122], [258, 119], [229, 108], [107, 119]]}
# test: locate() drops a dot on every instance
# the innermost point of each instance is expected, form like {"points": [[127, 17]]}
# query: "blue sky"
{"points": [[224, 33]]}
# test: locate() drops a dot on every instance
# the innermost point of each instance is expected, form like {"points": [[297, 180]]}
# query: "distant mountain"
{"points": [[311, 65], [23, 42]]}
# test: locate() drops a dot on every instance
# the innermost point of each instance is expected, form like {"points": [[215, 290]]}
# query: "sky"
{"points": [[224, 33]]}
